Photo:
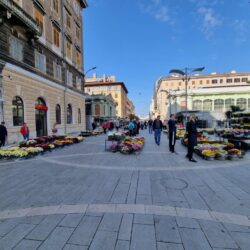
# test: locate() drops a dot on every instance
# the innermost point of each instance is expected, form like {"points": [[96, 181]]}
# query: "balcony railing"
{"points": [[18, 12]]}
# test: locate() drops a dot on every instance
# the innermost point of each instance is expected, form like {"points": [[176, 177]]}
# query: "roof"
{"points": [[94, 84]]}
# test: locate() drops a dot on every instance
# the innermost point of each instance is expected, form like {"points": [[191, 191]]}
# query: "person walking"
{"points": [[131, 127], [172, 133], [157, 128], [150, 126], [191, 129], [3, 134], [24, 130], [104, 126]]}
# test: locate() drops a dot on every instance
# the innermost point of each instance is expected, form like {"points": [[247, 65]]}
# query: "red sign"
{"points": [[41, 107]]}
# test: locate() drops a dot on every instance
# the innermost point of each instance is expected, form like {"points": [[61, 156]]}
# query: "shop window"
{"points": [[207, 105], [197, 105], [16, 48], [39, 19], [79, 116], [228, 103], [58, 114], [56, 37], [242, 103], [56, 6], [69, 114], [218, 105], [69, 49], [40, 61], [17, 111]]}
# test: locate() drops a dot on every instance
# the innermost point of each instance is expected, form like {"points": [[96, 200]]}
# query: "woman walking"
{"points": [[192, 137]]}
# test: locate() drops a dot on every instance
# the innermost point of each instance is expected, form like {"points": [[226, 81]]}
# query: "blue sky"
{"points": [[141, 40]]}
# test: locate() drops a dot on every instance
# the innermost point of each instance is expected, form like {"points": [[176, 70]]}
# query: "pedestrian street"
{"points": [[81, 197]]}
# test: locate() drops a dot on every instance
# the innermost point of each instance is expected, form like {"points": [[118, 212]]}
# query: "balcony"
{"points": [[14, 10]]}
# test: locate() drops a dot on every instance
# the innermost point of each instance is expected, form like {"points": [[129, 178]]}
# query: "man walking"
{"points": [[3, 134], [150, 126], [192, 137], [157, 128], [172, 133]]}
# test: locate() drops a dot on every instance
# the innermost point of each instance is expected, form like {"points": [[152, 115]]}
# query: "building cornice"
{"points": [[103, 84], [31, 75]]}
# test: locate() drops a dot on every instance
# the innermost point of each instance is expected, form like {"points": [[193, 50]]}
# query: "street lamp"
{"points": [[186, 73], [93, 68]]}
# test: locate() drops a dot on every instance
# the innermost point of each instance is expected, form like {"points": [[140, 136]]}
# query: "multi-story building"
{"points": [[109, 86], [41, 53], [167, 88], [130, 108], [99, 108]]}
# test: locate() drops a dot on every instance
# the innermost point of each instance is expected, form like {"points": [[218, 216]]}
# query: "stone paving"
{"points": [[81, 197]]}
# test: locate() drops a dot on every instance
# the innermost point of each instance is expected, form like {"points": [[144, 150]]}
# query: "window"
{"points": [[58, 114], [69, 114], [230, 80], [197, 105], [79, 83], [221, 80], [97, 109], [17, 111], [57, 71], [214, 81], [16, 48], [79, 116], [68, 50], [207, 105], [236, 79], [193, 82], [207, 81], [242, 103], [244, 79], [78, 58], [56, 5], [56, 37], [78, 33], [40, 61], [201, 82], [39, 19], [69, 78], [228, 103], [218, 105], [68, 19]]}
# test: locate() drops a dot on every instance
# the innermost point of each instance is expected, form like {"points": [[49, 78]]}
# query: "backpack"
{"points": [[131, 126]]}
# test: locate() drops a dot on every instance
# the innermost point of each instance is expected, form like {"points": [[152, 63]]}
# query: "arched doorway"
{"points": [[41, 117]]}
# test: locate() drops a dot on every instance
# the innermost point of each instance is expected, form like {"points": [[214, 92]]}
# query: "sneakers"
{"points": [[192, 160]]}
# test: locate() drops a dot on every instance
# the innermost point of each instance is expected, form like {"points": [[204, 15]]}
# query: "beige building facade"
{"points": [[41, 66], [167, 88], [109, 86]]}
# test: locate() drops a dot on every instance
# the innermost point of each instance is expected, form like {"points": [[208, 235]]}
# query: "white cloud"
{"points": [[158, 9], [209, 21], [241, 29]]}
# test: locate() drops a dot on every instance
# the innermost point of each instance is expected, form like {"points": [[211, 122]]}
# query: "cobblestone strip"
{"points": [[236, 219], [127, 168]]}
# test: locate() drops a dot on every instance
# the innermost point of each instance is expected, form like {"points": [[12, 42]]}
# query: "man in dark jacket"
{"points": [[172, 132], [3, 134], [157, 128], [192, 137]]}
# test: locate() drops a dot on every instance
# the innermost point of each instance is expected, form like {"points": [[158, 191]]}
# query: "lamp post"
{"points": [[93, 68], [186, 73]]}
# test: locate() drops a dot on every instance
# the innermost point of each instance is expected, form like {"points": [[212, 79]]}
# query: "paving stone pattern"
{"points": [[81, 197]]}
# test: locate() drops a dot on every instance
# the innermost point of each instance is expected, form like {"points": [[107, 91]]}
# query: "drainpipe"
{"points": [[64, 67]]}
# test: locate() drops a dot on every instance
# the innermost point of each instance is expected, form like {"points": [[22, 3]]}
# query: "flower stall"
{"points": [[38, 145], [128, 145]]}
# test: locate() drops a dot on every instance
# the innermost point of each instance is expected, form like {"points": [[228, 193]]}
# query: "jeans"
{"points": [[150, 129], [157, 136], [26, 137]]}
